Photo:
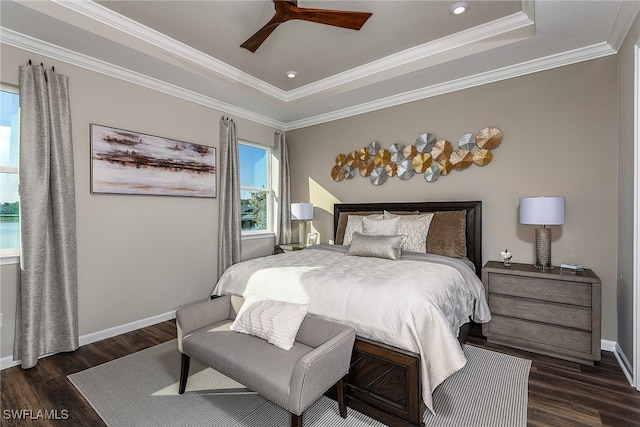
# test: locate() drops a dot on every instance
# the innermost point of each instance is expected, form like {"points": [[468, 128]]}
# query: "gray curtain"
{"points": [[47, 311], [229, 225], [284, 188]]}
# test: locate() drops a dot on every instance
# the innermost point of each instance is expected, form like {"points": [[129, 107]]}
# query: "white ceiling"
{"points": [[407, 50]]}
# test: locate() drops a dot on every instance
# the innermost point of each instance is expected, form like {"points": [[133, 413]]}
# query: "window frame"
{"points": [[252, 234], [10, 255]]}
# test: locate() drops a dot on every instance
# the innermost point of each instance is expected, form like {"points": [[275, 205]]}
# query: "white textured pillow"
{"points": [[380, 227], [354, 224], [275, 321], [388, 247], [416, 228]]}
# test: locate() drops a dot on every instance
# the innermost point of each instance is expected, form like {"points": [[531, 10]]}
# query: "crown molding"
{"points": [[627, 14], [397, 62], [22, 41], [567, 58], [406, 57], [40, 47], [103, 15]]}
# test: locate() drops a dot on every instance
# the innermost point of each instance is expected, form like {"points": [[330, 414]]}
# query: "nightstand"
{"points": [[551, 312]]}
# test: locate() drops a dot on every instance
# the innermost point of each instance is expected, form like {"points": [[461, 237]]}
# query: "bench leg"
{"points": [[342, 398], [184, 373], [296, 420]]}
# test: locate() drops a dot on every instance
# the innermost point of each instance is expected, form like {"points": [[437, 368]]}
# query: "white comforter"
{"points": [[411, 303]]}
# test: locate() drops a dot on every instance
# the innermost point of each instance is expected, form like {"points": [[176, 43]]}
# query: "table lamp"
{"points": [[542, 211], [302, 212]]}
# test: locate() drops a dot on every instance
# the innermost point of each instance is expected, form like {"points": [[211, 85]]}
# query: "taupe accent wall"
{"points": [[138, 256], [560, 139], [141, 256]]}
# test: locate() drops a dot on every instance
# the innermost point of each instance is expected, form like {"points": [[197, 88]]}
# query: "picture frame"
{"points": [[312, 239], [129, 162]]}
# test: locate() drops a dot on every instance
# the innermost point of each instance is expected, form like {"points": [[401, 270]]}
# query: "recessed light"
{"points": [[292, 74], [459, 7]]}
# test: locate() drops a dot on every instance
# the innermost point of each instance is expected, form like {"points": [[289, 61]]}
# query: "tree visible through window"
{"points": [[9, 199], [255, 187]]}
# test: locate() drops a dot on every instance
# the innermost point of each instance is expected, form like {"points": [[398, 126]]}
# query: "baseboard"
{"points": [[613, 347], [7, 362], [128, 327], [624, 364], [607, 345]]}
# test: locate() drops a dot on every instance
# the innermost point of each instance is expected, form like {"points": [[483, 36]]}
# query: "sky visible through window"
{"points": [[253, 166], [9, 178], [254, 187]]}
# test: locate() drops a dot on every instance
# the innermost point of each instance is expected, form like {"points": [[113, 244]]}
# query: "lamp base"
{"points": [[302, 234], [543, 248]]}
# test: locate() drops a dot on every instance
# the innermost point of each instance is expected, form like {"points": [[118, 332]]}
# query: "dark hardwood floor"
{"points": [[27, 394], [560, 393], [563, 393]]}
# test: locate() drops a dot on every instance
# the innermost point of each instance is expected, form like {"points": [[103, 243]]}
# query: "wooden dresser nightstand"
{"points": [[551, 312]]}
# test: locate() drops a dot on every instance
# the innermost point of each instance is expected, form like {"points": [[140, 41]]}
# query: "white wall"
{"points": [[626, 191]]}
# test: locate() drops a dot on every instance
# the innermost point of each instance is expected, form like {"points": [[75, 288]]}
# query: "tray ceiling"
{"points": [[407, 50]]}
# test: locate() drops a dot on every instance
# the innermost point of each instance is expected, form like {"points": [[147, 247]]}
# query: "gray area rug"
{"points": [[142, 390]]}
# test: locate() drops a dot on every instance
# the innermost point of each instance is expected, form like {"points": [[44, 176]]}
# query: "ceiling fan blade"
{"points": [[254, 42], [283, 13], [288, 9], [337, 18]]}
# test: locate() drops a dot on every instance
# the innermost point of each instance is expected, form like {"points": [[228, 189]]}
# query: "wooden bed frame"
{"points": [[384, 381]]}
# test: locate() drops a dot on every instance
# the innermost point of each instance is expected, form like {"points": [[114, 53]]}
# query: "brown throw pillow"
{"points": [[447, 234]]}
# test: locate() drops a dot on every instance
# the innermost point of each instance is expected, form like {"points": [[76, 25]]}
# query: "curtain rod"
{"points": [[42, 65]]}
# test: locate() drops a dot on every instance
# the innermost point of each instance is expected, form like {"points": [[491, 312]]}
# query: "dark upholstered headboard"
{"points": [[473, 219]]}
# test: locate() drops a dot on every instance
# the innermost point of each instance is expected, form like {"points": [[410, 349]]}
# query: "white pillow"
{"points": [[354, 224], [416, 228], [275, 321], [380, 227]]}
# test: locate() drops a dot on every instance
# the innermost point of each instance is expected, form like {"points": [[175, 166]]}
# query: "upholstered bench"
{"points": [[293, 379]]}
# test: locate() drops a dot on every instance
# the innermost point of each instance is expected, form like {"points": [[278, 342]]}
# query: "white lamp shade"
{"points": [[542, 210], [301, 211]]}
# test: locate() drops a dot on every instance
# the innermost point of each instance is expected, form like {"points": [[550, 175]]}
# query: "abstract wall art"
{"points": [[126, 162]]}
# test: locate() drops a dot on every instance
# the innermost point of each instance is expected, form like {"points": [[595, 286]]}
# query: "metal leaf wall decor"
{"points": [[428, 156]]}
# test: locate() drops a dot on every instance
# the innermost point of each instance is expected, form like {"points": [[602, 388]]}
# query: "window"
{"points": [[9, 200], [255, 188]]}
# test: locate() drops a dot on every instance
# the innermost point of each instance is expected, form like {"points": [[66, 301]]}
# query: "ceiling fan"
{"points": [[288, 9]]}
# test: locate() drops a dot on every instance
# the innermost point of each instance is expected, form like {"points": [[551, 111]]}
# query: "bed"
{"points": [[410, 312]]}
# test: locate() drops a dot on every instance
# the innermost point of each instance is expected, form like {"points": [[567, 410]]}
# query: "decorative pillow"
{"points": [[342, 223], [380, 227], [388, 247], [275, 321], [447, 234], [416, 228], [344, 217], [354, 224]]}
